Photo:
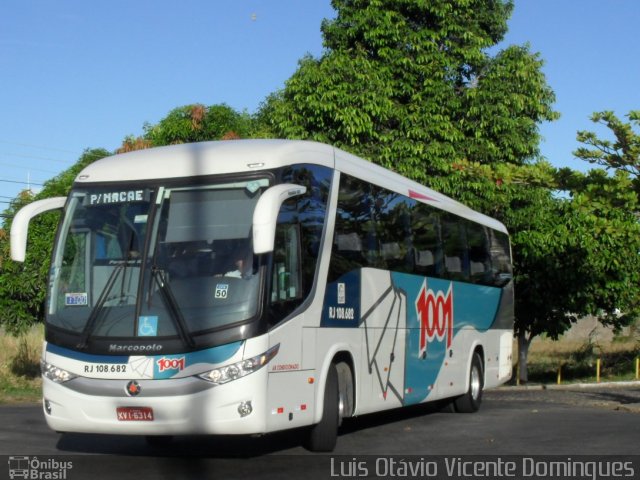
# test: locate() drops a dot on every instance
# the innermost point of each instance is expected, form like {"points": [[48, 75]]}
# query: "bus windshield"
{"points": [[156, 262]]}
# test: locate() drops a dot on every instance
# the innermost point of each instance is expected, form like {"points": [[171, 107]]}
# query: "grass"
{"points": [[577, 360], [20, 367]]}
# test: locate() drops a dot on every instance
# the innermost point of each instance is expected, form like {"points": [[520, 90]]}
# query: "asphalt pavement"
{"points": [[571, 422]]}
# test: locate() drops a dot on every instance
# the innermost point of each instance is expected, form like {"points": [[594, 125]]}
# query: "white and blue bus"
{"points": [[251, 286]]}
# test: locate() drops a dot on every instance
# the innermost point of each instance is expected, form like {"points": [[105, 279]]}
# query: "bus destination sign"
{"points": [[106, 198]]}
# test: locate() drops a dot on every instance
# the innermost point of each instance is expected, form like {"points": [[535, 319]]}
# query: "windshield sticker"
{"points": [[222, 290], [342, 293], [253, 187], [140, 219], [148, 326], [106, 198], [75, 299]]}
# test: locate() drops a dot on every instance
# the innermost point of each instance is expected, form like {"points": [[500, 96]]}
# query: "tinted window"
{"points": [[353, 233], [500, 258], [298, 238], [479, 258], [378, 228], [454, 242], [427, 241]]}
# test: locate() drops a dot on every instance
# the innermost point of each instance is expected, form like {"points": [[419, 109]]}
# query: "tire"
{"points": [[322, 437], [470, 401], [345, 391]]}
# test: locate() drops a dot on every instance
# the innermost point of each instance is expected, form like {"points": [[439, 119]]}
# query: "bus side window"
{"points": [[286, 282], [500, 259], [298, 238], [427, 244], [456, 258], [286, 292], [396, 247], [479, 258]]}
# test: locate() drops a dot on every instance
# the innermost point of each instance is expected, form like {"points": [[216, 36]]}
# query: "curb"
{"points": [[567, 386], [633, 407]]}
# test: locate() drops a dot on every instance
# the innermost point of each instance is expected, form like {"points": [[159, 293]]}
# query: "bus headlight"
{"points": [[225, 374], [54, 373]]}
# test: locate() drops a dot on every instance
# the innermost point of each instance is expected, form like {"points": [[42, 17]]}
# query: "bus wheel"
{"points": [[322, 436], [470, 401], [345, 391]]}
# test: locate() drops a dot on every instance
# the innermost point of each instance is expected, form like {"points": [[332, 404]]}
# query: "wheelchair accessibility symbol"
{"points": [[148, 326]]}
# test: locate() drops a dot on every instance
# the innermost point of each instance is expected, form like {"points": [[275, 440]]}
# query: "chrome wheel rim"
{"points": [[475, 383], [340, 408]]}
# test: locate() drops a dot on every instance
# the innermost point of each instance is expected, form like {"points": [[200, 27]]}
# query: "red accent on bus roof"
{"points": [[414, 194]]}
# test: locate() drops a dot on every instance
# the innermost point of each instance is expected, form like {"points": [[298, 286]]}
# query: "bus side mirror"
{"points": [[20, 224], [265, 215]]}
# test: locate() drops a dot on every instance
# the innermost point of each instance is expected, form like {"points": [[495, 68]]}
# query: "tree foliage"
{"points": [[576, 256], [410, 85], [622, 153], [192, 123]]}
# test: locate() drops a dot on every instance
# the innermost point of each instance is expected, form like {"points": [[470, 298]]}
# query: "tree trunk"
{"points": [[523, 355]]}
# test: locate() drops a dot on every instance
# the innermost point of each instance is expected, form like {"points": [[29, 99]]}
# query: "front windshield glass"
{"points": [[98, 259], [158, 262]]}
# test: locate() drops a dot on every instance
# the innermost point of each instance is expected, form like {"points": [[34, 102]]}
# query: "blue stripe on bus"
{"points": [[214, 355], [474, 306]]}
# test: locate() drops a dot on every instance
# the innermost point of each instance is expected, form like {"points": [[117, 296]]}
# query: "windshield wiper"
{"points": [[157, 274], [97, 309]]}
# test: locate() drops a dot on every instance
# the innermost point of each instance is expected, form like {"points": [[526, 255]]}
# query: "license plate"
{"points": [[135, 414]]}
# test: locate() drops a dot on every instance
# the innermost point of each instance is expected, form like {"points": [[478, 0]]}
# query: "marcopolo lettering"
{"points": [[116, 197], [115, 348]]}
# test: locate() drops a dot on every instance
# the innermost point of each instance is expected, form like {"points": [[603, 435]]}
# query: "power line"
{"points": [[35, 157], [22, 183], [40, 147], [27, 168]]}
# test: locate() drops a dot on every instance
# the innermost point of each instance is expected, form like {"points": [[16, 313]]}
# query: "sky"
{"points": [[77, 74]]}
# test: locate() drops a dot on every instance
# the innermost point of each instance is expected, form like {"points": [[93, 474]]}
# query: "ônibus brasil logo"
{"points": [[435, 314]]}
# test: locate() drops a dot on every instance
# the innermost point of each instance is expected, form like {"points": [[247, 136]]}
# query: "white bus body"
{"points": [[356, 290]]}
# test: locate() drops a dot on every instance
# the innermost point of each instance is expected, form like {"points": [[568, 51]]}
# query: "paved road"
{"points": [[600, 421]]}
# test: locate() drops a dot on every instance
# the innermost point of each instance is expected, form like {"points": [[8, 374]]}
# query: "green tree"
{"points": [[23, 286], [622, 153], [576, 256], [192, 123], [410, 84]]}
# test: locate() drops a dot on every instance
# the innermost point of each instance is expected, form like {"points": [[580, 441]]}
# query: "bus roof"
{"points": [[233, 156]]}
